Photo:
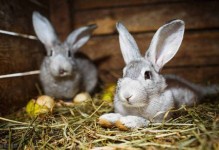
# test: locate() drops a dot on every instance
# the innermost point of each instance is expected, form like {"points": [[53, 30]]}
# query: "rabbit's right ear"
{"points": [[128, 45], [44, 30], [165, 43], [79, 37]]}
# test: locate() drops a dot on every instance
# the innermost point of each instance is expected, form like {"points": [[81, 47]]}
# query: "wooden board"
{"points": [[16, 92], [197, 15], [60, 17], [16, 15], [19, 54], [197, 49], [93, 4], [203, 75]]}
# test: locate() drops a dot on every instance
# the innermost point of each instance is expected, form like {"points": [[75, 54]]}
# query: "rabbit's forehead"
{"points": [[134, 68], [60, 48]]}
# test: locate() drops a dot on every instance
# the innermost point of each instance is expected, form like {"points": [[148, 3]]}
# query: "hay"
{"points": [[77, 128]]}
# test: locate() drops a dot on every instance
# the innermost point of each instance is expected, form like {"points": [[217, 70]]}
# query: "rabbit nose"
{"points": [[128, 98], [61, 71]]}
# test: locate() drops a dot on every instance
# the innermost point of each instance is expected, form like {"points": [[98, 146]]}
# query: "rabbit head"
{"points": [[60, 55], [141, 80]]}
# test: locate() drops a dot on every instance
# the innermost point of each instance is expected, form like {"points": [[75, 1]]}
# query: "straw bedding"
{"points": [[77, 128]]}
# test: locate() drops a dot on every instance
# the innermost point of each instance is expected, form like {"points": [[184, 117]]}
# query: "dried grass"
{"points": [[77, 128]]}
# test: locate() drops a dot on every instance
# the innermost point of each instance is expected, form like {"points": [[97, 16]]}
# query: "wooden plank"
{"points": [[93, 4], [197, 15], [19, 54], [60, 17], [16, 92], [16, 15], [203, 75], [197, 49]]}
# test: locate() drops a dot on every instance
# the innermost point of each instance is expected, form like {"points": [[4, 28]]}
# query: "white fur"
{"points": [[127, 43], [166, 43], [142, 92], [146, 97], [150, 110], [183, 96], [134, 122], [77, 39], [45, 31], [111, 117]]}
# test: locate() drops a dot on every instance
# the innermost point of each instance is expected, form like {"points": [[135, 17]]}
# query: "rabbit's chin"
{"points": [[131, 104], [64, 75]]}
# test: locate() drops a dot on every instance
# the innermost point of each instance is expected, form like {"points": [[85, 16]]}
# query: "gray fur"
{"points": [[150, 97], [62, 73], [165, 43], [128, 45]]}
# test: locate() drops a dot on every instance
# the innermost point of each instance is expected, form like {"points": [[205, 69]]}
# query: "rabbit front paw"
{"points": [[131, 122], [109, 120]]}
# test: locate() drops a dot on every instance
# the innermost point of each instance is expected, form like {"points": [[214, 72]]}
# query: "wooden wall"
{"points": [[198, 58], [19, 54]]}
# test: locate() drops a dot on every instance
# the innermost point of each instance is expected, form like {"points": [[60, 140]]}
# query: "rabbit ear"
{"points": [[128, 45], [44, 30], [165, 43], [79, 37]]}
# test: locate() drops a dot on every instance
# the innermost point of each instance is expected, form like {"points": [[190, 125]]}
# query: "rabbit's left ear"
{"points": [[44, 30], [128, 46], [79, 37], [165, 43]]}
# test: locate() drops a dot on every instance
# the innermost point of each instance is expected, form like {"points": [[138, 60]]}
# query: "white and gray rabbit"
{"points": [[143, 95], [63, 74]]}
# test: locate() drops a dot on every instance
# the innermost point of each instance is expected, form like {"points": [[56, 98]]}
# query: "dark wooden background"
{"points": [[197, 60], [19, 54]]}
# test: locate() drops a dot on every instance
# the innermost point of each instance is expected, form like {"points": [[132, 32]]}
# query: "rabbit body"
{"points": [[143, 95], [64, 72]]}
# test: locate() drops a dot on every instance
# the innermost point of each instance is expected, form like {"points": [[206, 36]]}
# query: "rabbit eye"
{"points": [[69, 54], [147, 75], [50, 52]]}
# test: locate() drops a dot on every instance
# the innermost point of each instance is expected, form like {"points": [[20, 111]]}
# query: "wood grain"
{"points": [[197, 49], [16, 92], [16, 15], [60, 17], [197, 15], [93, 4], [203, 75], [19, 54]]}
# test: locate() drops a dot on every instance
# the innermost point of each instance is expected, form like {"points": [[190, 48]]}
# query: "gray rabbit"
{"points": [[64, 73], [143, 95]]}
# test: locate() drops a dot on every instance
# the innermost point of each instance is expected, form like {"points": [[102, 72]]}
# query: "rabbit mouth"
{"points": [[131, 104], [64, 75]]}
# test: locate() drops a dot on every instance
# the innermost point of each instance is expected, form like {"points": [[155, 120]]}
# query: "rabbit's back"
{"points": [[184, 92], [88, 72]]}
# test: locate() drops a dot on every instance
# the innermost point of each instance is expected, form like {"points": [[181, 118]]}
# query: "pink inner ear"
{"points": [[158, 50]]}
